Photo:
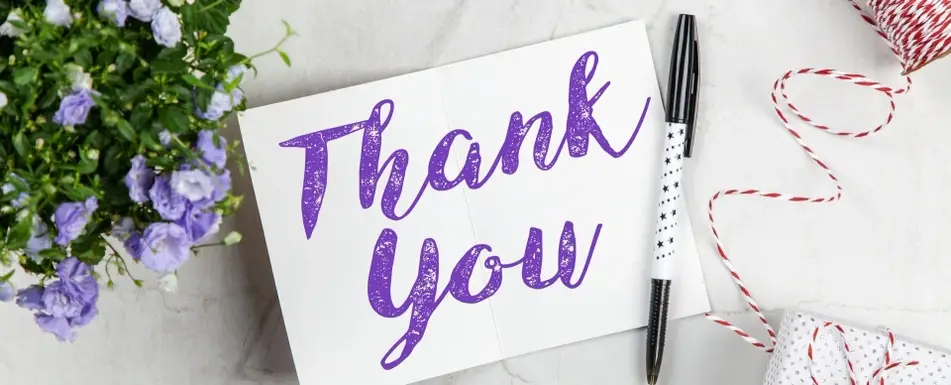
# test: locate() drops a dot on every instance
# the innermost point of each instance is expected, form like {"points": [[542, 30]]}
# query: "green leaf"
{"points": [[53, 253], [19, 24], [83, 58], [87, 166], [27, 103], [140, 116], [48, 98], [126, 130], [20, 233], [287, 28], [38, 54], [105, 58], [20, 144], [124, 62], [182, 92], [196, 82], [170, 60], [89, 249], [213, 20], [132, 93], [37, 268], [6, 277], [94, 139], [150, 140], [284, 57], [25, 75], [85, 192], [77, 193], [111, 159], [174, 119]]}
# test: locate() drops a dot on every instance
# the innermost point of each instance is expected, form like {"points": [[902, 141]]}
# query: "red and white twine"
{"points": [[918, 32], [879, 374]]}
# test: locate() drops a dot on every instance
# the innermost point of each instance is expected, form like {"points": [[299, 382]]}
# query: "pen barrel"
{"points": [[657, 325], [669, 212]]}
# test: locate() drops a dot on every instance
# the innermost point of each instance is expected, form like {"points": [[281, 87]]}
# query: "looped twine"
{"points": [[917, 31]]}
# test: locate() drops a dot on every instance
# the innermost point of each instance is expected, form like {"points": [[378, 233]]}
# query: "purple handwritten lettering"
{"points": [[581, 126], [532, 261], [423, 300]]}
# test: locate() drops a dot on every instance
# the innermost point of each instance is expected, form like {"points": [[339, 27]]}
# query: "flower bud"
{"points": [[168, 283], [232, 238], [92, 154]]}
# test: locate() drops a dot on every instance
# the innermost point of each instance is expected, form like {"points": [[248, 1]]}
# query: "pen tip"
{"points": [[651, 380]]}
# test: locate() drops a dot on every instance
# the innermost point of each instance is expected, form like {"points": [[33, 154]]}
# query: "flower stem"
{"points": [[119, 259], [208, 245], [287, 35]]}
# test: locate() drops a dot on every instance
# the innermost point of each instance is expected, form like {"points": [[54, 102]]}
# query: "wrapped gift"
{"points": [[814, 349]]}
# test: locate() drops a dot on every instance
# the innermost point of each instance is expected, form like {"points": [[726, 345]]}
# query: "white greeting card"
{"points": [[457, 216]]}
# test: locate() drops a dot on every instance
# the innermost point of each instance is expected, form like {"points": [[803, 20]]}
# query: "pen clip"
{"points": [[694, 93]]}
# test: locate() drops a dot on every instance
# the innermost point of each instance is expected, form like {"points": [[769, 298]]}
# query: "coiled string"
{"points": [[918, 32]]}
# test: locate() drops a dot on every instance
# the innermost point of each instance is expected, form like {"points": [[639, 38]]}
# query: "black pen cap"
{"points": [[694, 90], [681, 61]]}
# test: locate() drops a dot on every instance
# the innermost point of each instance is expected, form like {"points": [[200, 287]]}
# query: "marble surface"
{"points": [[880, 256]]}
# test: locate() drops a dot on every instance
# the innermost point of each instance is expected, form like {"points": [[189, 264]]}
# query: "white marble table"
{"points": [[880, 256]]}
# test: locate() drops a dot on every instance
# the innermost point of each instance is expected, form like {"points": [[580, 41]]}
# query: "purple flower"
{"points": [[166, 247], [139, 180], [144, 9], [58, 13], [71, 219], [31, 298], [6, 292], [220, 103], [9, 187], [235, 71], [165, 138], [169, 204], [115, 10], [134, 245], [236, 97], [166, 28], [65, 304], [222, 185], [39, 240], [193, 184], [211, 153], [74, 108], [123, 228], [199, 224], [7, 28]]}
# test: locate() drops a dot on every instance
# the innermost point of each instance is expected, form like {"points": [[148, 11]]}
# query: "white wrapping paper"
{"points": [[790, 363]]}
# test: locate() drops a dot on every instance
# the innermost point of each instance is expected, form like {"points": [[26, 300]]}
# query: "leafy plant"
{"points": [[109, 119]]}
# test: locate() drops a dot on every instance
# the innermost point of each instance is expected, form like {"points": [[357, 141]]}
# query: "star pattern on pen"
{"points": [[669, 199]]}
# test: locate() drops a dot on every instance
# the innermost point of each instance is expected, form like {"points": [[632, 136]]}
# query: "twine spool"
{"points": [[918, 32]]}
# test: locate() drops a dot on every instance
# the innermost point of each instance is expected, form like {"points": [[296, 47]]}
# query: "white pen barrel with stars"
{"points": [[668, 205]]}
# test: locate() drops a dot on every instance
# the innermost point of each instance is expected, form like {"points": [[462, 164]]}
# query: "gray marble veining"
{"points": [[880, 255]]}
